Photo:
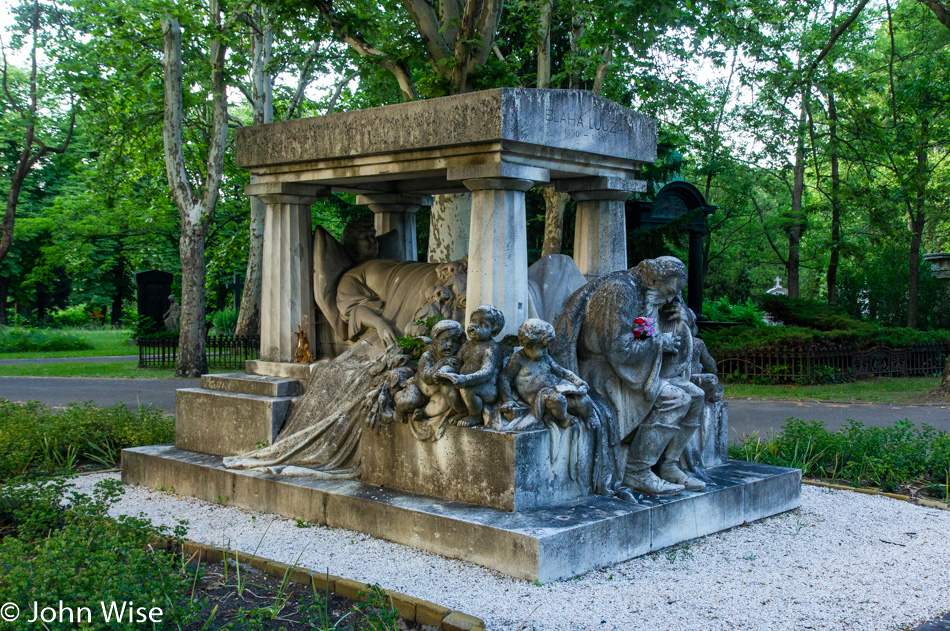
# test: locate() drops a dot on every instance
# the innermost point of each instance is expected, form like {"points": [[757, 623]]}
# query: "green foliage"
{"points": [[224, 321], [76, 315], [35, 439], [721, 310], [61, 546], [13, 340], [891, 458], [411, 344]]}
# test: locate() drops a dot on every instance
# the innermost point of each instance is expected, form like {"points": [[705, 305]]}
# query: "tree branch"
{"points": [[423, 14], [834, 38], [940, 9]]}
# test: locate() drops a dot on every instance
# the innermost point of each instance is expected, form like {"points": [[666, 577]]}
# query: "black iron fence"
{"points": [[830, 364], [222, 351]]}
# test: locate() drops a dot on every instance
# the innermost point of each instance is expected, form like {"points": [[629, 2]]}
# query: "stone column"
{"points": [[287, 274], [600, 228], [396, 212], [498, 250]]}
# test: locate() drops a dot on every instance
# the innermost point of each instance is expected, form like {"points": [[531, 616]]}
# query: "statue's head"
{"points": [[447, 337], [663, 278], [486, 321], [359, 239], [534, 335]]}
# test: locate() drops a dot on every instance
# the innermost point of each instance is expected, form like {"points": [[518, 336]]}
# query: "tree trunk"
{"points": [[118, 286], [554, 204], [918, 220], [797, 221], [833, 261], [191, 340], [449, 225], [249, 319], [4, 293], [544, 44], [196, 211]]}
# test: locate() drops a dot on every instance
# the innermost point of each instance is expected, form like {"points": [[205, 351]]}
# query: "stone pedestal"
{"points": [[498, 250], [231, 414], [396, 214], [286, 288], [511, 471], [544, 544], [600, 229]]}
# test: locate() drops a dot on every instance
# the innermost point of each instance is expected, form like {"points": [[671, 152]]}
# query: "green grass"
{"points": [[104, 342], [881, 390], [113, 370]]}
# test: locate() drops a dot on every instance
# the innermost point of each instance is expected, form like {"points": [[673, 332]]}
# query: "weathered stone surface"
{"points": [[543, 544], [574, 120], [510, 471], [600, 237], [288, 370], [226, 423], [458, 621], [241, 383], [498, 275]]}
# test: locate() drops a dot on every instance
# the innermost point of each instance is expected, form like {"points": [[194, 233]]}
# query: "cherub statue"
{"points": [[532, 376], [426, 396], [481, 357]]}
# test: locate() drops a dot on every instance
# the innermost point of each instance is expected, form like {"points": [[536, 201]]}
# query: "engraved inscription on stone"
{"points": [[590, 124]]}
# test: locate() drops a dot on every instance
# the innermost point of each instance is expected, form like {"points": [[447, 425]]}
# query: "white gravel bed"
{"points": [[843, 561]]}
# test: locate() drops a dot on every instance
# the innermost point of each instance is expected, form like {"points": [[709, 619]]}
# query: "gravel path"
{"points": [[843, 561]]}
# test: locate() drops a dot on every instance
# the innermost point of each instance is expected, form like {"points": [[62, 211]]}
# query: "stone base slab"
{"points": [[227, 423], [544, 544]]}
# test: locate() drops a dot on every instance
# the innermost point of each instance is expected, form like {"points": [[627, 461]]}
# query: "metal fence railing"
{"points": [[823, 364], [222, 351]]}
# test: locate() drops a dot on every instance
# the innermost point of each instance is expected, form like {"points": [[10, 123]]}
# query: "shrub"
{"points": [[64, 547], [225, 321], [721, 310], [76, 315], [16, 340], [34, 439], [891, 458]]}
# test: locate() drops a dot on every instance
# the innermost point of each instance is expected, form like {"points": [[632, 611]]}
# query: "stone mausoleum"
{"points": [[620, 451]]}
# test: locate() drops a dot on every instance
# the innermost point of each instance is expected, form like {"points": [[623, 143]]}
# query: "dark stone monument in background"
{"points": [[678, 201], [153, 287]]}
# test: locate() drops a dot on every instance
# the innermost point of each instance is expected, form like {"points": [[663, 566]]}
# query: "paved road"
{"points": [[747, 415], [68, 360], [58, 391]]}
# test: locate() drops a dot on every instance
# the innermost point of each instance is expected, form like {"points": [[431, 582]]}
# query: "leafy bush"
{"points": [[76, 315], [16, 340], [721, 310], [891, 458], [225, 321], [35, 439], [144, 326], [63, 546]]}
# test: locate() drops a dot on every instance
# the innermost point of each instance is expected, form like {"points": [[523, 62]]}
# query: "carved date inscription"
{"points": [[595, 125]]}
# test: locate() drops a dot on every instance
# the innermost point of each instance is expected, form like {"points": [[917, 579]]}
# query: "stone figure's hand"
{"points": [[450, 377], [583, 388], [668, 343], [387, 334]]}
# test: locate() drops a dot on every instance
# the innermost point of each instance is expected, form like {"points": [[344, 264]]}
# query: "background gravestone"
{"points": [[154, 287]]}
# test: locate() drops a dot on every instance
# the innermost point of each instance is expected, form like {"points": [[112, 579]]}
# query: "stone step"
{"points": [[261, 385], [227, 423]]}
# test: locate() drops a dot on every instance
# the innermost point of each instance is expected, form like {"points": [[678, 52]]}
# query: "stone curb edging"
{"points": [[829, 402], [896, 496], [408, 607]]}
